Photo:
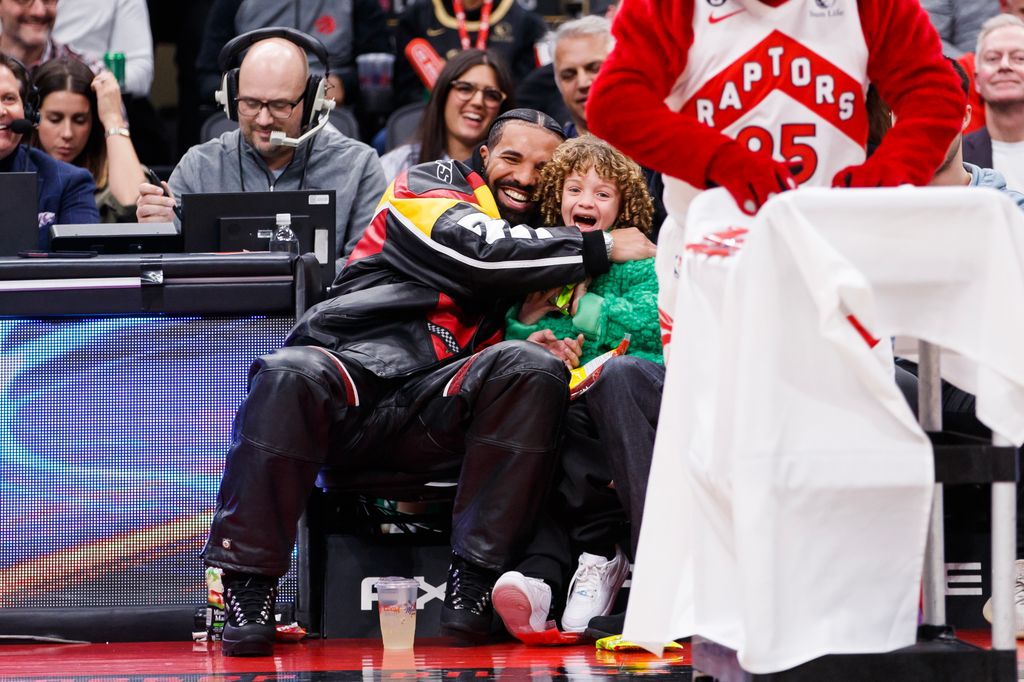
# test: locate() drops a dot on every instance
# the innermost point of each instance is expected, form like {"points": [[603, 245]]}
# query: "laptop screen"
{"points": [[19, 214]]}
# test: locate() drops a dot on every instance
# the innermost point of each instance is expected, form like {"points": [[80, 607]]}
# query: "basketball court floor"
{"points": [[343, 660]]}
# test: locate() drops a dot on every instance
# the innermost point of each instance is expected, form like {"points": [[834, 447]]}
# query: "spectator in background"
{"points": [[1000, 82], [347, 28], [81, 123], [955, 172], [95, 27], [472, 89], [580, 48], [271, 80], [65, 191], [958, 21], [27, 35], [512, 34], [540, 89]]}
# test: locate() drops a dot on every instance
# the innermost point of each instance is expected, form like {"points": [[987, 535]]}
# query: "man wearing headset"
{"points": [[65, 192], [272, 93]]}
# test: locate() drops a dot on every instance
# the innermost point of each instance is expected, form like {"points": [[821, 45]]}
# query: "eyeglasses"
{"points": [[28, 3], [278, 108], [466, 90]]}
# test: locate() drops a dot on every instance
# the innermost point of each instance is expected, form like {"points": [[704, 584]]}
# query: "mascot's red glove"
{"points": [[875, 172], [751, 178]]}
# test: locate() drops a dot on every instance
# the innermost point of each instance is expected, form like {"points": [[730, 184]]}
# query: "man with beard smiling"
{"points": [[271, 82], [26, 26], [405, 370]]}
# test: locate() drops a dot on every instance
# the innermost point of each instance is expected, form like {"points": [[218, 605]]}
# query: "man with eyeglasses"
{"points": [[27, 26], [271, 82]]}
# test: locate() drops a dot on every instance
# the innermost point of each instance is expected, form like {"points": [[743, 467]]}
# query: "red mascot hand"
{"points": [[875, 172], [751, 178]]}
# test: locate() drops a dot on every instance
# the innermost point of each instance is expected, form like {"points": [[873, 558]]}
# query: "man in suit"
{"points": [[999, 76], [65, 192]]}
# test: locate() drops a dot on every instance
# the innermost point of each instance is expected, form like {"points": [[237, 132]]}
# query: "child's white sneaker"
{"points": [[523, 603], [593, 589]]}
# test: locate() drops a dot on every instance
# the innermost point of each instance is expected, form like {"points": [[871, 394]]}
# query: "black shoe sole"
{"points": [[247, 648], [594, 634], [241, 643]]}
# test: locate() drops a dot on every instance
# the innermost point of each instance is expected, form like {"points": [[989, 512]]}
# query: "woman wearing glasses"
{"points": [[472, 89], [81, 122]]}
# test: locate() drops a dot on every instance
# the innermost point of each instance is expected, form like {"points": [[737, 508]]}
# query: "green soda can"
{"points": [[115, 62]]}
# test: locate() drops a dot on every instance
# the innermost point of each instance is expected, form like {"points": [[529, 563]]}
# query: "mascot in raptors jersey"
{"points": [[758, 96]]}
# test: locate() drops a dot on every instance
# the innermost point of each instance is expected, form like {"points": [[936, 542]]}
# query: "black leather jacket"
{"points": [[435, 272]]}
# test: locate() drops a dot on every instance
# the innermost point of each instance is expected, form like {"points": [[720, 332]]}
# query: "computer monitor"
{"points": [[19, 213], [245, 221], [116, 238]]}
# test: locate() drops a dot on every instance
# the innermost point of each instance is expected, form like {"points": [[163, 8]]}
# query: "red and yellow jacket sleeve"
{"points": [[438, 224]]}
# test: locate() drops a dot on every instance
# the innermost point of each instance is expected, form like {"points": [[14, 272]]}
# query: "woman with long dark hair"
{"points": [[81, 122], [473, 88]]}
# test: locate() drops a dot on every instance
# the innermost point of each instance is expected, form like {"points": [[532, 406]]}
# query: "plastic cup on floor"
{"points": [[396, 603]]}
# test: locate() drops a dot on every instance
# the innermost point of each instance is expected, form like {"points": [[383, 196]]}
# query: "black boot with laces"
{"points": [[467, 612], [249, 605]]}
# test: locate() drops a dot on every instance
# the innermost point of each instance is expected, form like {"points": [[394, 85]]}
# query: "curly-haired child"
{"points": [[591, 185]]}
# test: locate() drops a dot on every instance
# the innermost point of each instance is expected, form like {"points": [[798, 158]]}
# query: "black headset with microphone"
{"points": [[314, 100], [29, 94]]}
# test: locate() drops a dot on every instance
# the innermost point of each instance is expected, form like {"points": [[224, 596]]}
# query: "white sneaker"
{"points": [[593, 589], [1018, 602], [523, 603]]}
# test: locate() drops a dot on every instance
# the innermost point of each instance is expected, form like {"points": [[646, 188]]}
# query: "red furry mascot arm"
{"points": [[906, 65]]}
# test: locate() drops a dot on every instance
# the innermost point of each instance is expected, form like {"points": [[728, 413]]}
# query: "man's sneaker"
{"points": [[1018, 602], [523, 603], [467, 610], [249, 605], [593, 589]]}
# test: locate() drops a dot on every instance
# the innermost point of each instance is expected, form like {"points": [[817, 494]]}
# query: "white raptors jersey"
{"points": [[790, 79]]}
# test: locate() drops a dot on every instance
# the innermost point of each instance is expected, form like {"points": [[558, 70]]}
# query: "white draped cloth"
{"points": [[789, 495]]}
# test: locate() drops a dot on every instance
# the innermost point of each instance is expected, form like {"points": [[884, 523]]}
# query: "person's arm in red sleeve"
{"points": [[626, 107], [906, 65]]}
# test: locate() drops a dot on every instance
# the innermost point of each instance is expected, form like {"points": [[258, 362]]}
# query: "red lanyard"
{"points": [[485, 24]]}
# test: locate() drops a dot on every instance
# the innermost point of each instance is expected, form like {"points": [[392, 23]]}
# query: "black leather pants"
{"points": [[497, 414]]}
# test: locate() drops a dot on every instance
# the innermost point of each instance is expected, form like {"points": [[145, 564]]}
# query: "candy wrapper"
{"points": [[289, 633], [582, 378], [616, 643]]}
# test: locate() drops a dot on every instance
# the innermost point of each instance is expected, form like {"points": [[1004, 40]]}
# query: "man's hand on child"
{"points": [[568, 350], [631, 244]]}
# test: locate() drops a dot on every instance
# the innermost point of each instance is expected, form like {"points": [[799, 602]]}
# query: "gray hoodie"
{"points": [[349, 167], [987, 177]]}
